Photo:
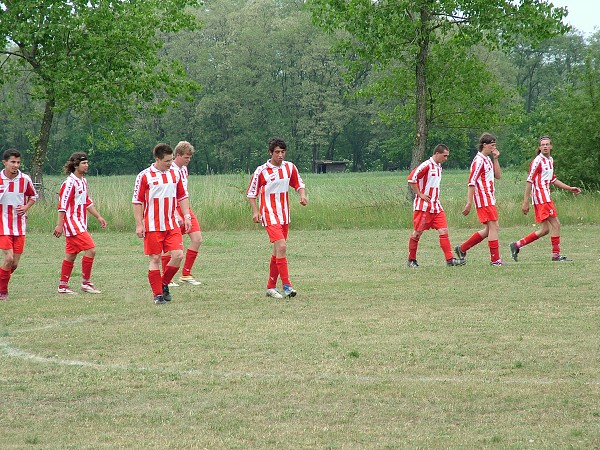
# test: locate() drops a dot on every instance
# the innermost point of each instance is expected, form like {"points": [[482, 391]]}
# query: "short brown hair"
{"points": [[486, 138], [160, 150]]}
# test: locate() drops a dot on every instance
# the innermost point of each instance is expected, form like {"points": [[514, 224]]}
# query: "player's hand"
{"points": [[103, 223], [425, 197], [188, 224], [496, 153], [21, 210], [58, 231], [303, 200], [575, 190], [140, 231], [525, 208], [466, 210], [256, 218]]}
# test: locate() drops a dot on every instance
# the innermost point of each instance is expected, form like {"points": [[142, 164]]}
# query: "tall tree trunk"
{"points": [[40, 146], [422, 127]]}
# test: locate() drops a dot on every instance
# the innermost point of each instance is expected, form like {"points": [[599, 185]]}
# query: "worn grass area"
{"points": [[369, 354]]}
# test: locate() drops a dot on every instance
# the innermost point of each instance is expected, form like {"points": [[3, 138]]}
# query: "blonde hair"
{"points": [[184, 148]]}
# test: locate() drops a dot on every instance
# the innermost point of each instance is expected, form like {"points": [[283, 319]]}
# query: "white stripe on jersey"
{"points": [[541, 175], [482, 178]]}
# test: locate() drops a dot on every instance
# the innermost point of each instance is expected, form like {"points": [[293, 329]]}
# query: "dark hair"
{"points": [[160, 150], [441, 148], [276, 142], [486, 138], [74, 161], [540, 141], [10, 153]]}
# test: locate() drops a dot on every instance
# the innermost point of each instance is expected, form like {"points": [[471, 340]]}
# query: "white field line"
{"points": [[11, 351]]}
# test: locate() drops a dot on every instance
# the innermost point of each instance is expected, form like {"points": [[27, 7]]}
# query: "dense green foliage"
{"points": [[265, 70]]}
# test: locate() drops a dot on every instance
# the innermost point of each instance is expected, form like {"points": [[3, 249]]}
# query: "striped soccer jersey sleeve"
{"points": [[13, 193], [541, 175], [159, 192], [74, 201], [428, 177], [270, 184], [481, 177]]}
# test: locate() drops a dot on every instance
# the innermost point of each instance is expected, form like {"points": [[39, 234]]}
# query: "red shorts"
{"points": [[195, 225], [157, 242], [277, 232], [16, 243], [544, 211], [424, 220], [487, 213], [79, 243]]}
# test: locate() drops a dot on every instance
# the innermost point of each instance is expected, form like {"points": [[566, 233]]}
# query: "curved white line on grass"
{"points": [[15, 352]]}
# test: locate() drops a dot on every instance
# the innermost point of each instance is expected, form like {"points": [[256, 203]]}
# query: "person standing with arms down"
{"points": [[73, 206], [17, 195], [183, 154], [541, 176], [425, 180], [158, 189], [271, 182], [481, 189]]}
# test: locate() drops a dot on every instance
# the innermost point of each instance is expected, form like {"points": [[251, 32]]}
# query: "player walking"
{"points": [[541, 176], [17, 195], [271, 182], [158, 189], [183, 154], [481, 189], [425, 180]]}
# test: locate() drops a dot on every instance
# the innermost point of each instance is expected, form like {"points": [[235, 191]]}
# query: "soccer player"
{"points": [[158, 189], [183, 154], [541, 176], [73, 206], [271, 182], [481, 189], [424, 180], [17, 195]]}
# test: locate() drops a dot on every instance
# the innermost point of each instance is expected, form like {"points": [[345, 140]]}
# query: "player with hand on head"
{"points": [[17, 195], [541, 176], [425, 180], [271, 182], [73, 206], [481, 189]]}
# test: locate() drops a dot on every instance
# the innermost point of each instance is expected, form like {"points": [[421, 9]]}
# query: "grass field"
{"points": [[369, 354]]}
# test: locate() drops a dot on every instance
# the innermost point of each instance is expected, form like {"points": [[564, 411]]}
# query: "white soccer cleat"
{"points": [[274, 293], [189, 280], [66, 290], [89, 288]]}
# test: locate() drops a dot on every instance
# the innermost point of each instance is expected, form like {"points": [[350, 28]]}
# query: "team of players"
{"points": [[162, 212]]}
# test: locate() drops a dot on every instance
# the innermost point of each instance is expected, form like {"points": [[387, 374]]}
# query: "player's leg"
{"points": [[67, 269], [190, 257]]}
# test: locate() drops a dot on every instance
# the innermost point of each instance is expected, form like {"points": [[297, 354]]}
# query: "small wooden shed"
{"points": [[328, 166]]}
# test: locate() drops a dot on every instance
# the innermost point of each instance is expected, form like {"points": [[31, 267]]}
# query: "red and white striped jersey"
{"points": [[13, 193], [428, 177], [159, 192], [183, 172], [541, 175], [271, 184], [482, 177], [74, 201]]}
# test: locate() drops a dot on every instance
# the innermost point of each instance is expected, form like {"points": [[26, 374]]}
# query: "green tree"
{"points": [[426, 47], [98, 57]]}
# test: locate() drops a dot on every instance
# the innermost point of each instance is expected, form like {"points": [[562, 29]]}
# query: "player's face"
{"points": [[82, 168], [488, 149], [164, 164], [183, 160], [545, 147], [441, 157], [277, 156], [12, 166]]}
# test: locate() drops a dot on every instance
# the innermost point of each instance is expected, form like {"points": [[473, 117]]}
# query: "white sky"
{"points": [[583, 14]]}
